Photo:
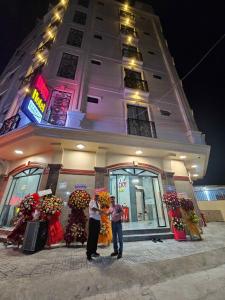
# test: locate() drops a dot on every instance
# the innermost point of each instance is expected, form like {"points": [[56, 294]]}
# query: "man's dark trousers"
{"points": [[117, 236], [93, 232]]}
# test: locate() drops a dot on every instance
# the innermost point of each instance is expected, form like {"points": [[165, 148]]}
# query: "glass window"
{"points": [[75, 37], [68, 66], [80, 17], [22, 184]]}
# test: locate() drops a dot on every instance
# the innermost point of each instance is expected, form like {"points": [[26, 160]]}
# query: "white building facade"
{"points": [[91, 100]]}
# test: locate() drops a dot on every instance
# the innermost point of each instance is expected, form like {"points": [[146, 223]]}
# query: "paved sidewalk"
{"points": [[146, 271]]}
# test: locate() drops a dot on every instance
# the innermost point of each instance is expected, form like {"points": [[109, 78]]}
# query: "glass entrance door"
{"points": [[138, 192]]}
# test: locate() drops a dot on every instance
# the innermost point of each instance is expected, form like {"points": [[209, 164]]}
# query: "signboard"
{"points": [[34, 105], [80, 186], [60, 102], [99, 190], [45, 192]]}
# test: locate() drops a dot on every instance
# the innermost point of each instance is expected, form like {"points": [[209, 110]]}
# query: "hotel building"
{"points": [[92, 99]]}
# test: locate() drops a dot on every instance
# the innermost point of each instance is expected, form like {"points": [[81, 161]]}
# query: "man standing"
{"points": [[94, 228], [116, 212]]}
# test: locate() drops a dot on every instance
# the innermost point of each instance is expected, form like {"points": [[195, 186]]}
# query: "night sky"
{"points": [[191, 28]]}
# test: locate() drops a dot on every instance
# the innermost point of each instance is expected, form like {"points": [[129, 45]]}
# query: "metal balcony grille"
{"points": [[132, 54], [141, 128], [10, 124], [137, 84]]}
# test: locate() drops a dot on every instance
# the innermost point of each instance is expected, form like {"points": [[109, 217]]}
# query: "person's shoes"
{"points": [[89, 258], [154, 240], [96, 254], [119, 256], [114, 254], [159, 240]]}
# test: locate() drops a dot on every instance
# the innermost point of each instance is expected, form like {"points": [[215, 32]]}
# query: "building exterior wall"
{"points": [[103, 126]]}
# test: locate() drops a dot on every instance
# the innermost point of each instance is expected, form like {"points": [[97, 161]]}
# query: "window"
{"points": [[138, 121], [97, 36], [100, 3], [80, 17], [75, 37], [99, 18], [24, 183], [165, 113], [151, 52], [157, 76], [126, 14], [146, 33], [127, 30], [134, 80], [84, 3], [96, 62], [92, 100], [68, 66]]}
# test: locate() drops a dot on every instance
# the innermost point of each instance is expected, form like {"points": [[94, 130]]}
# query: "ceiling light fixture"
{"points": [[138, 152], [18, 152], [183, 156], [194, 166], [80, 146]]}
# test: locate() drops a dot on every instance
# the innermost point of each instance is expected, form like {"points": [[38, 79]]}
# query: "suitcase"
{"points": [[35, 237]]}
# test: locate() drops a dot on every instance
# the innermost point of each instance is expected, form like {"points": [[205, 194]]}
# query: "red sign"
{"points": [[42, 88]]}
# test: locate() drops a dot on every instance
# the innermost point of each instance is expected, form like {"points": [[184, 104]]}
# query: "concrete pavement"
{"points": [[169, 270]]}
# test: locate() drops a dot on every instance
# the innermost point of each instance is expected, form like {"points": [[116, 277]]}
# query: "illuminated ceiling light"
{"points": [[40, 57], [27, 90], [80, 146], [50, 34], [138, 152], [132, 62], [129, 39], [127, 21], [194, 166], [63, 2], [57, 16], [183, 157], [126, 6], [18, 152], [195, 175]]}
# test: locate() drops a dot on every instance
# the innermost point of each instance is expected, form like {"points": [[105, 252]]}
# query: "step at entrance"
{"points": [[135, 235]]}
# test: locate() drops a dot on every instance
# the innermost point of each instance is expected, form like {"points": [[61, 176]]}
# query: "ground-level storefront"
{"points": [[50, 159]]}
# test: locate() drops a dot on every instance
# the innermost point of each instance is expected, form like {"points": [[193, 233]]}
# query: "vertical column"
{"points": [[101, 177], [168, 182], [53, 176], [54, 167]]}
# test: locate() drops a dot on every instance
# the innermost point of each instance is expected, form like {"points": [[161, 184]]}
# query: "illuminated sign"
{"points": [[31, 110], [38, 100], [41, 86], [35, 104]]}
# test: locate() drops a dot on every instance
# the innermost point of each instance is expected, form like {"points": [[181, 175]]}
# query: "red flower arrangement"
{"points": [[79, 199], [76, 227], [187, 204], [50, 205], [178, 223], [27, 208], [171, 200]]}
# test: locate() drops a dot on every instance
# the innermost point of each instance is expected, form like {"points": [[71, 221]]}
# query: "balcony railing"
{"points": [[132, 54], [141, 128], [133, 83], [10, 124], [128, 30], [125, 14]]}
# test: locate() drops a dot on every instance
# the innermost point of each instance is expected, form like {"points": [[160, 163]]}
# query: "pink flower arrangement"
{"points": [[51, 205]]}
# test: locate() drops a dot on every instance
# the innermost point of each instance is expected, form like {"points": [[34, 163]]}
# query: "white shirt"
{"points": [[93, 214]]}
